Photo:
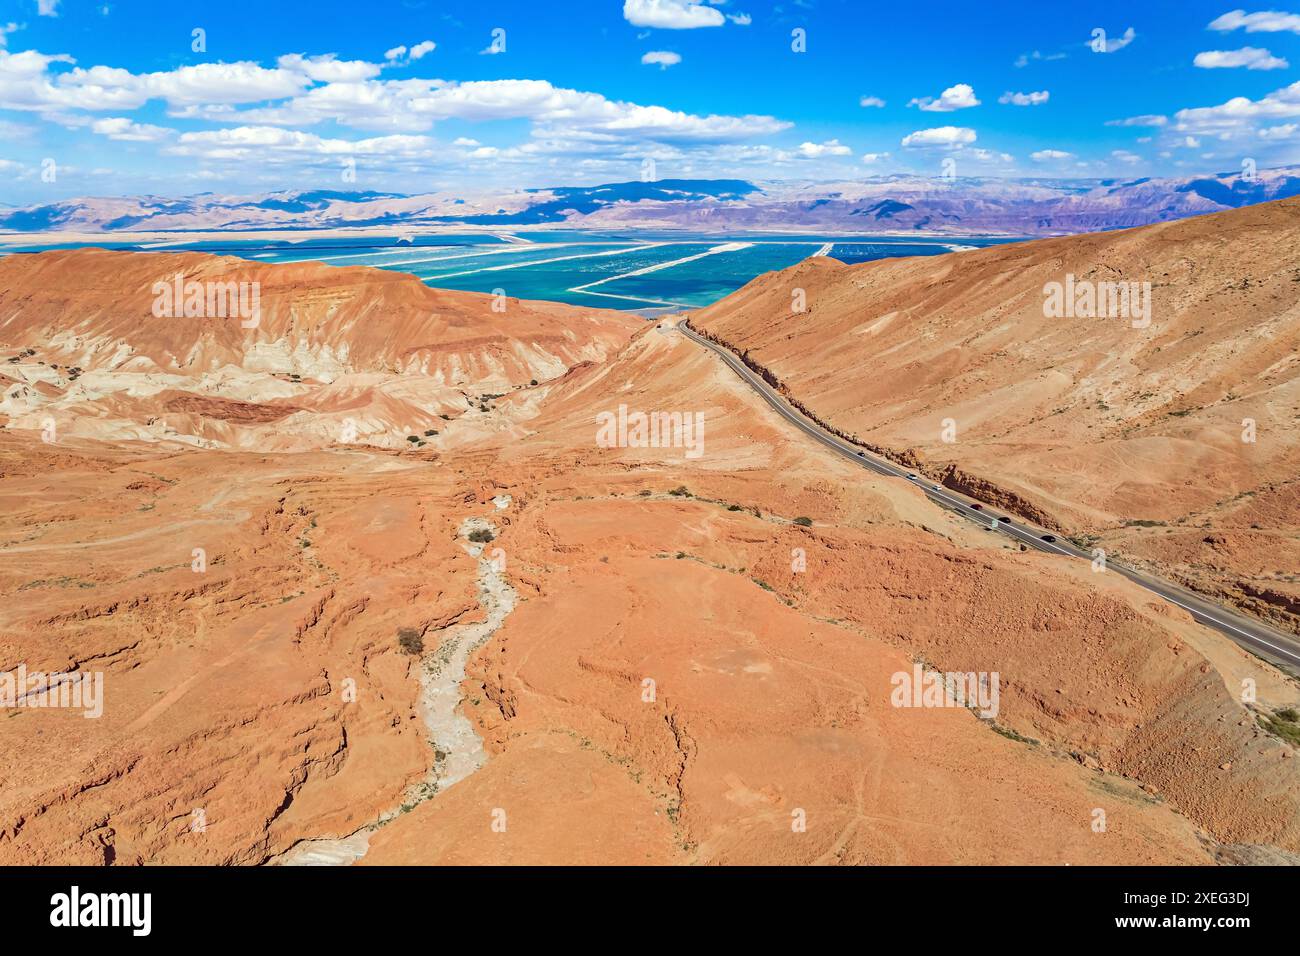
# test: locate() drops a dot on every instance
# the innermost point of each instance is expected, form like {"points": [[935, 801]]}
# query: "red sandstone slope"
{"points": [[1101, 427], [336, 354]]}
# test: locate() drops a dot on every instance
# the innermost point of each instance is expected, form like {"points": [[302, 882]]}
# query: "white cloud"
{"points": [[1025, 99], [952, 137], [869, 101], [1251, 57], [396, 53], [5, 30], [421, 48], [1124, 156], [1147, 119], [1025, 58], [1271, 21], [257, 142], [958, 97], [1239, 115], [831, 147], [414, 105], [1285, 131], [1050, 155], [988, 156], [47, 8], [328, 68], [870, 158], [121, 128], [661, 58], [671, 14], [1105, 44], [465, 141], [740, 19]]}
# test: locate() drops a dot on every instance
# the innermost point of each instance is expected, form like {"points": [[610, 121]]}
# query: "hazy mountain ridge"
{"points": [[894, 204]]}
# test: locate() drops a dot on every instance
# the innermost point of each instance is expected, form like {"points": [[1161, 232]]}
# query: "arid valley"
{"points": [[365, 587]]}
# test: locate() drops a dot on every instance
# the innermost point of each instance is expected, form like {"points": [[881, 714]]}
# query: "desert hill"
{"points": [[334, 355], [1176, 444]]}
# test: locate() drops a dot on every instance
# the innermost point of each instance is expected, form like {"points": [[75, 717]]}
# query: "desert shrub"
{"points": [[803, 522], [412, 438], [410, 640], [430, 431], [481, 535], [681, 491], [1285, 724]]}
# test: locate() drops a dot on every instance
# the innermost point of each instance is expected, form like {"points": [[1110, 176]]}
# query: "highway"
{"points": [[1258, 638]]}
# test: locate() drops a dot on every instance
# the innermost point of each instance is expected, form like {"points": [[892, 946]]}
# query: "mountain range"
{"points": [[911, 205]]}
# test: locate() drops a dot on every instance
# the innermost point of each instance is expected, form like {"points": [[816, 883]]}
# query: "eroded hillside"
{"points": [[687, 658]]}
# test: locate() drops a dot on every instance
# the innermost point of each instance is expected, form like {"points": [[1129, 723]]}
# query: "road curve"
{"points": [[1258, 638]]}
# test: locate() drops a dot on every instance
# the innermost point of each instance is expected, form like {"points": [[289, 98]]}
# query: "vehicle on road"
{"points": [[977, 507], [1049, 538], [911, 477]]}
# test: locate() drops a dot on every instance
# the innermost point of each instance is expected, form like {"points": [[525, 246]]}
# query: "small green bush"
{"points": [[481, 535], [803, 522]]}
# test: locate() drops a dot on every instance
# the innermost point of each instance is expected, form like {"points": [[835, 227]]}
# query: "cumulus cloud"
{"points": [[1050, 155], [671, 14], [1251, 57], [1240, 115], [47, 8], [831, 147], [661, 58], [1270, 21], [123, 129], [328, 68], [1025, 99], [870, 158], [958, 97], [950, 137], [1124, 156], [421, 48], [871, 101]]}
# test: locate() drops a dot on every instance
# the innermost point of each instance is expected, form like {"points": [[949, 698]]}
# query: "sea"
{"points": [[641, 272]]}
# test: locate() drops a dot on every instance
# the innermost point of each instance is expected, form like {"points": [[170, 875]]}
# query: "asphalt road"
{"points": [[1267, 642]]}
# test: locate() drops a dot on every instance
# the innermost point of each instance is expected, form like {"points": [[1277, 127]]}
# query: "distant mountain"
{"points": [[897, 204]]}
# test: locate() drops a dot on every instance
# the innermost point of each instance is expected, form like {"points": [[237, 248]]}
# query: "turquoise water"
{"points": [[676, 269]]}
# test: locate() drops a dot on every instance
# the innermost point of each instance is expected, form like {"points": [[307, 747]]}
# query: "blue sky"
{"points": [[411, 96]]}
